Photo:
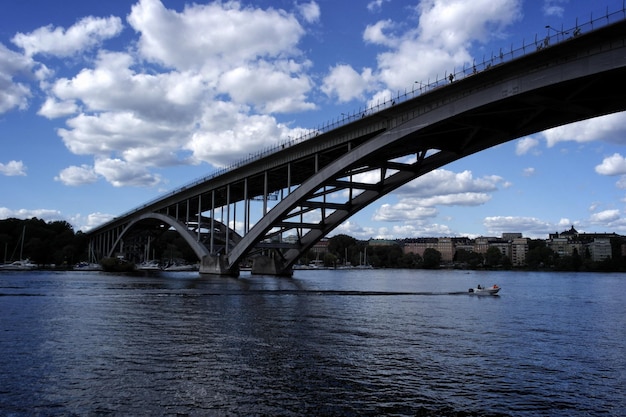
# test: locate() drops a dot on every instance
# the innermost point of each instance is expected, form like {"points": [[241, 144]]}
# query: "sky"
{"points": [[106, 105]]}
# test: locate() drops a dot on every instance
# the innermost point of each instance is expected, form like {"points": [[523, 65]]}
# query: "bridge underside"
{"points": [[278, 207]]}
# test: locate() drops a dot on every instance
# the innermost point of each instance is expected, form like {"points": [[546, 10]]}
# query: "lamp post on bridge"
{"points": [[557, 32]]}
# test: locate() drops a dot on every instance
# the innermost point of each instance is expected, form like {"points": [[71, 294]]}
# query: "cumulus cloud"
{"points": [[554, 7], [270, 91], [92, 220], [231, 34], [53, 109], [347, 84], [609, 128], [13, 168], [528, 172], [606, 216], [404, 210], [57, 41], [177, 98], [442, 182], [13, 94], [418, 199], [44, 214], [612, 165], [74, 175], [441, 37], [531, 226], [376, 5], [523, 146], [121, 173], [310, 11]]}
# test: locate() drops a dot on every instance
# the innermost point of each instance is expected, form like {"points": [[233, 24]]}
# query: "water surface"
{"points": [[355, 343]]}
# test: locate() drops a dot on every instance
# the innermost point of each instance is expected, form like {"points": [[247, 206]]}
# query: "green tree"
{"points": [[340, 244], [431, 258], [493, 257], [540, 257]]}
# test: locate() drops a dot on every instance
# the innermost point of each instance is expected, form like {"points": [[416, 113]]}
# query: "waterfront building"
{"points": [[519, 250], [600, 249]]}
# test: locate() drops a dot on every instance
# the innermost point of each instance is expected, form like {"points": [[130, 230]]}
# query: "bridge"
{"points": [[272, 208]]}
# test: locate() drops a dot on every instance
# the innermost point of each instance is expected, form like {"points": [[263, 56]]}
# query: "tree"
{"points": [[431, 258], [340, 244], [493, 257], [540, 257]]}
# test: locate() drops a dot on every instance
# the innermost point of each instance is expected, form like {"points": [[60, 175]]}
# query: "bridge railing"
{"points": [[553, 36]]}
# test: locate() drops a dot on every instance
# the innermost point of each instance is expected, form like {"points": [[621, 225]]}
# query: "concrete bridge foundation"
{"points": [[270, 265], [216, 265]]}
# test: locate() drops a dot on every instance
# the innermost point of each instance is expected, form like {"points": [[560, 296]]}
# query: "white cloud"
{"points": [[205, 93], [554, 7], [440, 187], [310, 11], [456, 199], [444, 182], [269, 90], [53, 109], [376, 34], [606, 216], [609, 128], [228, 135], [74, 175], [403, 211], [86, 33], [528, 172], [43, 214], [13, 94], [92, 220], [442, 39], [438, 43], [621, 183], [13, 168], [231, 34], [530, 226], [352, 228], [523, 146], [376, 5], [347, 84], [121, 173], [612, 165]]}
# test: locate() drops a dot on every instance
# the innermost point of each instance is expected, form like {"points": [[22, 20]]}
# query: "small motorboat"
{"points": [[480, 290]]}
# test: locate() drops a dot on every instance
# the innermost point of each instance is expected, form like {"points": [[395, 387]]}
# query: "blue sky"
{"points": [[106, 105]]}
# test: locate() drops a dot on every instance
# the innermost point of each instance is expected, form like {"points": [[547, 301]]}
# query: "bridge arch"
{"points": [[190, 238]]}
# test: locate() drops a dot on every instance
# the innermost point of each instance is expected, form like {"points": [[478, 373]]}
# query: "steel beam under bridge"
{"points": [[279, 205]]}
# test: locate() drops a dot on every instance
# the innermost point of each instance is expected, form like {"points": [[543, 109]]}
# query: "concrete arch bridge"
{"points": [[279, 204]]}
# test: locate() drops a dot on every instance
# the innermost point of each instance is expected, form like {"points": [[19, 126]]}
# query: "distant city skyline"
{"points": [[107, 106]]}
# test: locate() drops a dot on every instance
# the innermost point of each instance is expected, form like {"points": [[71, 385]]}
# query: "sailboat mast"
{"points": [[22, 246]]}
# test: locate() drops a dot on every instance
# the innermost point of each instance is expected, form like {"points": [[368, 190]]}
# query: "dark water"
{"points": [[336, 343]]}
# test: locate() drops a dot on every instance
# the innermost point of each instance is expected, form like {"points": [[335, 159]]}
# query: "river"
{"points": [[323, 343]]}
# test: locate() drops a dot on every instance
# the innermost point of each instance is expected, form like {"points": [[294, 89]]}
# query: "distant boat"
{"points": [[91, 265], [22, 264], [87, 266], [25, 265], [149, 266], [493, 290], [181, 267]]}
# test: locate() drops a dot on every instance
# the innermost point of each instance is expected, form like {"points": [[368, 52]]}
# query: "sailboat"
{"points": [[149, 264], [22, 264], [92, 265]]}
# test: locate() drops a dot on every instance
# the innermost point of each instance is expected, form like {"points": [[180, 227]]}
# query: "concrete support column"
{"points": [[216, 265], [270, 265]]}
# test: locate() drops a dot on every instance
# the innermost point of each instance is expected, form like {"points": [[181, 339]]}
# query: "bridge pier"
{"points": [[216, 265], [270, 265]]}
